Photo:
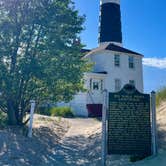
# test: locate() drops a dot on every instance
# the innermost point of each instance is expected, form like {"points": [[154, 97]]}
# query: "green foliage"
{"points": [[65, 112], [40, 55], [161, 96], [3, 119], [43, 110]]}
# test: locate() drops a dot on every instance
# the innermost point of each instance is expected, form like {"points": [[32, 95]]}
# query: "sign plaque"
{"points": [[129, 122]]}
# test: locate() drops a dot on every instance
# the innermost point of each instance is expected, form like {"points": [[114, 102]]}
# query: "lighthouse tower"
{"points": [[110, 22], [114, 65]]}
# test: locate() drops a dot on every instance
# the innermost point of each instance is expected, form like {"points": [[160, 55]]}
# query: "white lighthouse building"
{"points": [[114, 65]]}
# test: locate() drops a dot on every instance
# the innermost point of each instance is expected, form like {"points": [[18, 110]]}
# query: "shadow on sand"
{"points": [[161, 137], [47, 148]]}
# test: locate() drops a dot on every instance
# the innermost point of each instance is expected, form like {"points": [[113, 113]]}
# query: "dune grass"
{"points": [[65, 112], [161, 96]]}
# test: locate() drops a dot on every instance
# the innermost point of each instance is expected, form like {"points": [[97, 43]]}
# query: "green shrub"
{"points": [[43, 110], [65, 112], [161, 96], [3, 119]]}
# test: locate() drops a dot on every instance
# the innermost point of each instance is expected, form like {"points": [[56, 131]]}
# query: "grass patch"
{"points": [[3, 120], [43, 110], [161, 96], [65, 112]]}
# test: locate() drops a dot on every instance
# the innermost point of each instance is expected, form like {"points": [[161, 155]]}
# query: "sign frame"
{"points": [[152, 103]]}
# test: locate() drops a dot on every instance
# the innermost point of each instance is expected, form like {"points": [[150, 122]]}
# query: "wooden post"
{"points": [[104, 124], [154, 126], [32, 102]]}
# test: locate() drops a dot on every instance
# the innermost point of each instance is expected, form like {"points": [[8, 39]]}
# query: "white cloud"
{"points": [[155, 62]]}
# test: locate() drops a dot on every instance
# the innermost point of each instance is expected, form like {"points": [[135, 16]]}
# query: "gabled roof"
{"points": [[112, 47], [85, 50]]}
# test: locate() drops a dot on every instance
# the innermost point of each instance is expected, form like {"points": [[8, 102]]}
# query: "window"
{"points": [[117, 84], [96, 85], [131, 62], [117, 60], [132, 82]]}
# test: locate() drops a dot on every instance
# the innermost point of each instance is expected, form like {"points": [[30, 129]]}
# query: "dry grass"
{"points": [[161, 96]]}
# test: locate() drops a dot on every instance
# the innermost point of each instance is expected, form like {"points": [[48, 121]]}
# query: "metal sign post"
{"points": [[32, 102], [104, 125], [154, 126]]}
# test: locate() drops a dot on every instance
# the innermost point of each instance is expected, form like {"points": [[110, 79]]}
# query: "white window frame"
{"points": [[94, 83], [131, 61], [117, 60]]}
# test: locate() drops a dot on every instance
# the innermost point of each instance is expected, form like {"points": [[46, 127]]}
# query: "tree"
{"points": [[39, 56]]}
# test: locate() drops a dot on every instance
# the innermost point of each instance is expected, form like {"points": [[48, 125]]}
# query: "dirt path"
{"points": [[55, 142], [75, 148], [82, 145]]}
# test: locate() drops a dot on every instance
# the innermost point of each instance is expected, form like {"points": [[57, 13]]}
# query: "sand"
{"points": [[69, 142]]}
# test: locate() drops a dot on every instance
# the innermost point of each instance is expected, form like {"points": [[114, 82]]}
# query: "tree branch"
{"points": [[37, 40]]}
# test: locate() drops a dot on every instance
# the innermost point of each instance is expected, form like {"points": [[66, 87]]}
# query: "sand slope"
{"points": [[18, 150], [160, 159]]}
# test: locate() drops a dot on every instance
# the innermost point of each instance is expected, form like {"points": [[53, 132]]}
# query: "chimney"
{"points": [[110, 22]]}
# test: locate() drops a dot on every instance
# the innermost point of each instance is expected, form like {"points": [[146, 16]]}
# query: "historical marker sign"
{"points": [[129, 124]]}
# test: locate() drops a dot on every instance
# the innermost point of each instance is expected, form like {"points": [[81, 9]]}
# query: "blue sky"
{"points": [[144, 31]]}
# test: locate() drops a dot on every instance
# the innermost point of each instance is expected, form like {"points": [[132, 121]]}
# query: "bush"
{"points": [[3, 119], [65, 112], [43, 110], [161, 96]]}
